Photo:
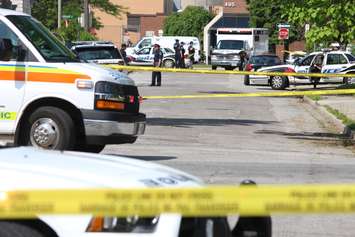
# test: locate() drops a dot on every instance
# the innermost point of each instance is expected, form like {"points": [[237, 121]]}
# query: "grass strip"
{"points": [[346, 121]]}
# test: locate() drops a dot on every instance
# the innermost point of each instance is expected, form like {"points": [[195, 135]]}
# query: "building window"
{"points": [[134, 23], [243, 22]]}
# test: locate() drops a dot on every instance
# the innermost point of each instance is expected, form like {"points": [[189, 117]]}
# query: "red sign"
{"points": [[283, 33]]}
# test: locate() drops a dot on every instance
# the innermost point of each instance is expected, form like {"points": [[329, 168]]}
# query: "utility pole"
{"points": [[86, 15], [59, 13]]}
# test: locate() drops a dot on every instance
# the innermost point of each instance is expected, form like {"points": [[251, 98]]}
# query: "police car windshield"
{"points": [[43, 40], [230, 44], [97, 53]]}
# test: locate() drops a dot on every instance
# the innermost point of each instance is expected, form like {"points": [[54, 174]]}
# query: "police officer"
{"points": [[158, 58], [191, 51], [124, 54], [177, 53], [182, 55]]}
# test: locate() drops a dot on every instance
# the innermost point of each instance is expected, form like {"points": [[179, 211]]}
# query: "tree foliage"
{"points": [[268, 14], [46, 11], [190, 22], [330, 20]]}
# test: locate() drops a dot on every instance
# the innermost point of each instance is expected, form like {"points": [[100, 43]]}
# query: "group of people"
{"points": [[179, 59], [179, 48]]}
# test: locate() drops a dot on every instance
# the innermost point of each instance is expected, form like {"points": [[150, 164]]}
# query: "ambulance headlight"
{"points": [[123, 224]]}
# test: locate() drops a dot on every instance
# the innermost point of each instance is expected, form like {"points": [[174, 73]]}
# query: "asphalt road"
{"points": [[226, 140]]}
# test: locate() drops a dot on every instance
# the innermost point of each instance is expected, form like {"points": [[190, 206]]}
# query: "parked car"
{"points": [[27, 168], [101, 52], [328, 61], [145, 57], [257, 62]]}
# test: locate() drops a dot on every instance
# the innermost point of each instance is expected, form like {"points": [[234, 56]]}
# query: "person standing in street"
{"points": [[177, 53], [191, 51], [182, 55], [158, 58], [124, 54]]}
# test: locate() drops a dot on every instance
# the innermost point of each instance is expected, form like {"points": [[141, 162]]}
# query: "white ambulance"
{"points": [[49, 99]]}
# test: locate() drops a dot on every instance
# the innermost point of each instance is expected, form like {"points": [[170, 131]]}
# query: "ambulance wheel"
{"points": [[90, 148], [11, 229], [50, 128], [169, 63], [278, 82]]}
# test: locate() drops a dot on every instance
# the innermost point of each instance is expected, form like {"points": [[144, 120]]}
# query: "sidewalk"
{"points": [[340, 108]]}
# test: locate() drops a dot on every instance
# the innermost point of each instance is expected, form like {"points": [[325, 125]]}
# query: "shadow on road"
{"points": [[306, 135], [146, 158], [187, 122]]}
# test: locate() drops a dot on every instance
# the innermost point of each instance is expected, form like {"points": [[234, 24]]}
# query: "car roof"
{"points": [[6, 12], [29, 168]]}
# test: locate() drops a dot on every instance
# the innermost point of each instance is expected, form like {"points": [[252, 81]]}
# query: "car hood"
{"points": [[29, 168], [277, 67], [98, 72], [226, 51]]}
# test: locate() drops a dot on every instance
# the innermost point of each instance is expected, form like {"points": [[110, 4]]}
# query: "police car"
{"points": [[28, 168], [145, 57], [101, 52], [330, 62]]}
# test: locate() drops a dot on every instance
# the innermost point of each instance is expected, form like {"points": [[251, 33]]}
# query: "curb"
{"points": [[344, 129]]}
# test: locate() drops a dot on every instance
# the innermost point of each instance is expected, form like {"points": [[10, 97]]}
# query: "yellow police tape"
{"points": [[177, 70], [257, 94], [204, 201]]}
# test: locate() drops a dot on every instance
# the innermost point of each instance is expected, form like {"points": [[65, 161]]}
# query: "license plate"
{"points": [[234, 64]]}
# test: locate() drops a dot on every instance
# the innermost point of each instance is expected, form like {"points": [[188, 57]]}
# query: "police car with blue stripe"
{"points": [[322, 62]]}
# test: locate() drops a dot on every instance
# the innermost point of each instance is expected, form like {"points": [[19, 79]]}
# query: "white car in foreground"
{"points": [[27, 168]]}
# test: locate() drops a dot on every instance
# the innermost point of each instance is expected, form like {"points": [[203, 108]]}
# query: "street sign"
{"points": [[66, 17], [283, 26], [283, 33]]}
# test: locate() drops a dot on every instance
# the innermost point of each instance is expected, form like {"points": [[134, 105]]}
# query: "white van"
{"points": [[49, 99], [166, 42]]}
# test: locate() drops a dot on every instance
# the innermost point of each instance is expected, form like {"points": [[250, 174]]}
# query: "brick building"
{"points": [[232, 14], [141, 18]]}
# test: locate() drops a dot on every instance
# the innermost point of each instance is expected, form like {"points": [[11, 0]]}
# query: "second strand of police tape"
{"points": [[199, 71], [202, 201]]}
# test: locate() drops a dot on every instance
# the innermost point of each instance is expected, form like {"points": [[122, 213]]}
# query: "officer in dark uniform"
{"points": [[177, 53], [124, 54], [158, 58], [182, 55]]}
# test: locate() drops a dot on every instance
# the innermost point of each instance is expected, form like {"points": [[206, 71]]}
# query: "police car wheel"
{"points": [[214, 67], [278, 82], [169, 63], [347, 80], [11, 229], [50, 128]]}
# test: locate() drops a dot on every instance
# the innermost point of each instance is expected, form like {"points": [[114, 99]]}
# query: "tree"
{"points": [[46, 11], [190, 22], [268, 14], [330, 20]]}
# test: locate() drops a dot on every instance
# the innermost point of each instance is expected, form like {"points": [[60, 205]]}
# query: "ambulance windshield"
{"points": [[43, 40]]}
